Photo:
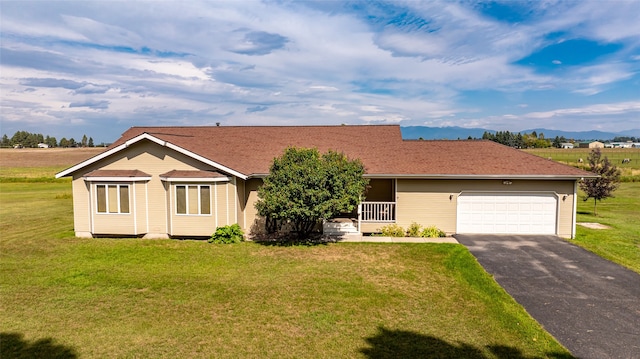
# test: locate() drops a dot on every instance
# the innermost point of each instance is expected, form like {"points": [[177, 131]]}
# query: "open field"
{"points": [[630, 171], [65, 297], [40, 162]]}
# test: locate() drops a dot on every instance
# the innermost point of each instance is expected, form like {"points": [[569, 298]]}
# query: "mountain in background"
{"points": [[454, 133], [441, 133]]}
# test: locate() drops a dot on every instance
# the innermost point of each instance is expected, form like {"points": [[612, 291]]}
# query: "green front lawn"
{"points": [[620, 243], [61, 295]]}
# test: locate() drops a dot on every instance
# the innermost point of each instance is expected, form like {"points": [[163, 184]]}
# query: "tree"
{"points": [[51, 141], [5, 141], [304, 187], [90, 144], [603, 186], [83, 142]]}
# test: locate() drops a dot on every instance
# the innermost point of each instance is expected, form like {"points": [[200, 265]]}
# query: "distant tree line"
{"points": [[32, 140], [519, 140], [625, 139], [535, 140]]}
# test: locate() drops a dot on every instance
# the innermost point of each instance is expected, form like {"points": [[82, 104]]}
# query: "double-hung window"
{"points": [[112, 198], [193, 199]]}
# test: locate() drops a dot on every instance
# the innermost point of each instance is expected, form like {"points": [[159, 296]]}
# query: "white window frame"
{"points": [[118, 186], [186, 198]]}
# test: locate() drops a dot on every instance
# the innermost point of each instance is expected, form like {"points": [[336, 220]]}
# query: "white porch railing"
{"points": [[378, 212]]}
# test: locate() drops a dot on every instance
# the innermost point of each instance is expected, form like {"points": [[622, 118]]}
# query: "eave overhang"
{"points": [[192, 179], [116, 179], [481, 177]]}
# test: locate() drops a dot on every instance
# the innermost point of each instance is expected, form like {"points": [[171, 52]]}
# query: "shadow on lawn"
{"points": [[13, 346], [404, 344]]}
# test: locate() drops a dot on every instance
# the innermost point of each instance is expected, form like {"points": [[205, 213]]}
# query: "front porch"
{"points": [[378, 210]]}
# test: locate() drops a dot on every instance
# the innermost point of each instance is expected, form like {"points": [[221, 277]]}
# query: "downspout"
{"points": [[574, 213]]}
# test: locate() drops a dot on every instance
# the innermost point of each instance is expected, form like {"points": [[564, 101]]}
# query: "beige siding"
{"points": [[81, 211], [254, 224], [427, 203], [154, 214], [240, 202], [433, 202], [140, 206], [366, 227]]}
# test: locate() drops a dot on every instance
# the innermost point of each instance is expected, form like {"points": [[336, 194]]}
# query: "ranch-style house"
{"points": [[159, 182]]}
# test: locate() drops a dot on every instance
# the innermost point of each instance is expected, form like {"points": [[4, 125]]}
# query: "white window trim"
{"points": [[199, 214], [95, 188]]}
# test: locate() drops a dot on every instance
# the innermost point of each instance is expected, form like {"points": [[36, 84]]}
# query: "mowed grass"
{"points": [[620, 243], [63, 296]]}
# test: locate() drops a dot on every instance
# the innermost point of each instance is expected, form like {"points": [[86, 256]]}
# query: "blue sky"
{"points": [[99, 67]]}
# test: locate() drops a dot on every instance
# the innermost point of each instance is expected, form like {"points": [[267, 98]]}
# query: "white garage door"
{"points": [[507, 213]]}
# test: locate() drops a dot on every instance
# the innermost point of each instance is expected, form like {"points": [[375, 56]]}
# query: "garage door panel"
{"points": [[507, 213]]}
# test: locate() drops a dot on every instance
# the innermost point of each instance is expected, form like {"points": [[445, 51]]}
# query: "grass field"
{"points": [[620, 243], [40, 163], [630, 171], [67, 297]]}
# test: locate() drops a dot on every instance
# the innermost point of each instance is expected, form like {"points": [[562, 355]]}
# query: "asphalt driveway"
{"points": [[591, 305]]}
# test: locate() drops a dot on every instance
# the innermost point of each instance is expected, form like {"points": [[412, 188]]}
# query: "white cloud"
{"points": [[254, 62], [386, 118], [591, 110]]}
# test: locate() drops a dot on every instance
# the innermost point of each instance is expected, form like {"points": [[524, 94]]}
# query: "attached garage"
{"points": [[507, 213]]}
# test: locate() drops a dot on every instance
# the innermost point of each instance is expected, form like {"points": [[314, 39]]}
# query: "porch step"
{"points": [[339, 226]]}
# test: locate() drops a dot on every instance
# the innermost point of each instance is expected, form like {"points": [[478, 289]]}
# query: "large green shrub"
{"points": [[227, 234], [304, 186]]}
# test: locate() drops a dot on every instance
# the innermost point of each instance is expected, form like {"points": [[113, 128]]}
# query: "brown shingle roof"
{"points": [[250, 150], [476, 158]]}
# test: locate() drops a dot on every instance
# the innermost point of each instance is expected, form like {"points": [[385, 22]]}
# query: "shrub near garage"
{"points": [[432, 232]]}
